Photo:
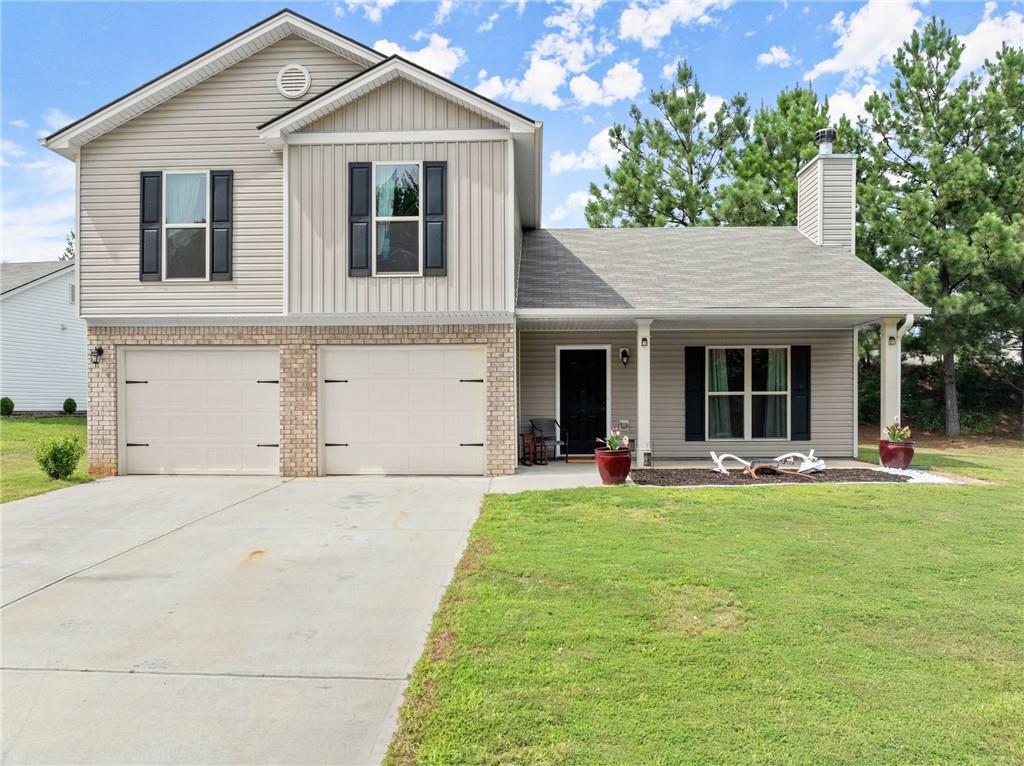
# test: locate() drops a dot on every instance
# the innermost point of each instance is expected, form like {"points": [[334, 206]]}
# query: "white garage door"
{"points": [[205, 411], [403, 410]]}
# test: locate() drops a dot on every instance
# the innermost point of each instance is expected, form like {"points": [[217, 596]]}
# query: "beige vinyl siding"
{"points": [[808, 202], [537, 372], [837, 201], [832, 406], [210, 126], [400, 105], [477, 231]]}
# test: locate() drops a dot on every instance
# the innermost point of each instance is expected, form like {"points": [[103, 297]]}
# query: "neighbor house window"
{"points": [[748, 393], [186, 212], [397, 221]]}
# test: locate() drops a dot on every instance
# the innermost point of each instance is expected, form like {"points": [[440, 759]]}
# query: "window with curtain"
{"points": [[185, 219], [748, 393], [397, 218]]}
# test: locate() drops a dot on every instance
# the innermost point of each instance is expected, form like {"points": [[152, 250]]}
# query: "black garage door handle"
{"points": [[471, 444]]}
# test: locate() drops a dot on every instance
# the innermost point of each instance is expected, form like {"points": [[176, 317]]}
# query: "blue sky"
{"points": [[575, 66]]}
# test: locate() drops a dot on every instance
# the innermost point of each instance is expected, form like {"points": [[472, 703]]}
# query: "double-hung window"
{"points": [[186, 214], [748, 390], [397, 219]]}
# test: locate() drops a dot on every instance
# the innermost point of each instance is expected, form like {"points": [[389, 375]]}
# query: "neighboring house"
{"points": [[300, 256], [42, 338]]}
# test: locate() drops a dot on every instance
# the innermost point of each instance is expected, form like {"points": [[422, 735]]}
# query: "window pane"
{"points": [[398, 247], [725, 417], [186, 253], [768, 369], [398, 190], [725, 369], [768, 416], [186, 198]]}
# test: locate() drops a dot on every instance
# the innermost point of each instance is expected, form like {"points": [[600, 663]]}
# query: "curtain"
{"points": [[718, 373], [386, 183], [776, 369], [186, 198], [773, 424]]}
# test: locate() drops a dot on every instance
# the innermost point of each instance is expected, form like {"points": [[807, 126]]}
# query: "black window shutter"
{"points": [[221, 193], [150, 234], [360, 210], [435, 204], [800, 418], [694, 390]]}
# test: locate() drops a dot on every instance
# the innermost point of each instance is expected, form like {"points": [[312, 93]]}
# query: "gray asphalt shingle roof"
{"points": [[699, 267], [15, 275]]}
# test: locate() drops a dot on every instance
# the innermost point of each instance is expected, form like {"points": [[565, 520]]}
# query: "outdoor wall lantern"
{"points": [[892, 340], [624, 356], [95, 354], [643, 342]]}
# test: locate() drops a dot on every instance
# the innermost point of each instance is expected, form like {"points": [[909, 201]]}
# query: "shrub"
{"points": [[6, 406], [70, 405], [59, 458]]}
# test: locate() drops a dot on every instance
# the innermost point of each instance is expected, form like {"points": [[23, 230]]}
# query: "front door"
{"points": [[583, 391]]}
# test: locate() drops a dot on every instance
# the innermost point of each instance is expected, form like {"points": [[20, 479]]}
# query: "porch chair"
{"points": [[550, 433]]}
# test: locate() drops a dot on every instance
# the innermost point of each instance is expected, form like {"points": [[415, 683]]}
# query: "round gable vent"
{"points": [[293, 81]]}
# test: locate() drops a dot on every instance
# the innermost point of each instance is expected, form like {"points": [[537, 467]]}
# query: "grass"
{"points": [[826, 624], [20, 476]]}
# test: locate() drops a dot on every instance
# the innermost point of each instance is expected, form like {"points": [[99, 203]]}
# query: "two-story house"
{"points": [[299, 256]]}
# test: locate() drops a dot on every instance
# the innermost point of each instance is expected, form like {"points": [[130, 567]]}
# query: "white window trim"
{"points": [[384, 219], [164, 226], [748, 395]]}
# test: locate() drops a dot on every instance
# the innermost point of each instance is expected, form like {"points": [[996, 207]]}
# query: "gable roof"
{"points": [[699, 269], [17, 275], [218, 58]]}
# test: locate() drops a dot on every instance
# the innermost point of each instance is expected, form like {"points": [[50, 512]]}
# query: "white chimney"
{"points": [[826, 198]]}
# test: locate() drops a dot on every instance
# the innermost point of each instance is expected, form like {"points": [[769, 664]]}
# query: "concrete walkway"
{"points": [[221, 620]]}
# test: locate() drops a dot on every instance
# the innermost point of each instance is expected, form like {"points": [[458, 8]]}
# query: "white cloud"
{"points": [[850, 103], [668, 71], [488, 25], [587, 119], [373, 10], [988, 37], [10, 149], [37, 232], [19, 123], [437, 55], [597, 154], [54, 119], [575, 201], [622, 81], [52, 174], [539, 84], [777, 55], [712, 104], [868, 37], [648, 24], [444, 10]]}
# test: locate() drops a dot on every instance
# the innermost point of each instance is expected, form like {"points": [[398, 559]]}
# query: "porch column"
{"points": [[643, 392], [890, 347]]}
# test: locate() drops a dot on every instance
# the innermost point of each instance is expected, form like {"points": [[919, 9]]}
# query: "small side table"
{"points": [[528, 448]]}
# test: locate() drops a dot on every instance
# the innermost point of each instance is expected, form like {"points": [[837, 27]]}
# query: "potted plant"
{"points": [[614, 459], [897, 450]]}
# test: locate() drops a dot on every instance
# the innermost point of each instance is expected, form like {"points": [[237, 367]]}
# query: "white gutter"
{"points": [[592, 313]]}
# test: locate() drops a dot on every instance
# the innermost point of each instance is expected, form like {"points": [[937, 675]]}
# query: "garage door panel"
{"points": [[391, 395]]}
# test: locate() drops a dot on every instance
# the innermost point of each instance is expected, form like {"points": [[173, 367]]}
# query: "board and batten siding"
{"points": [[43, 347], [400, 105], [210, 126], [318, 279], [832, 405]]}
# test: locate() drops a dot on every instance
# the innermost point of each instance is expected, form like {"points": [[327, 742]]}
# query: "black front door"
{"points": [[583, 376]]}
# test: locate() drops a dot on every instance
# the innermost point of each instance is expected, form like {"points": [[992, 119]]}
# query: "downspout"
{"points": [[902, 330]]}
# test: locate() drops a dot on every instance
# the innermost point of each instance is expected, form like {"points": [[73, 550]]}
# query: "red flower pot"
{"points": [[613, 465], [895, 454]]}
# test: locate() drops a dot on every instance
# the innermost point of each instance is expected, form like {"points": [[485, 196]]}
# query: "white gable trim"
{"points": [[67, 140]]}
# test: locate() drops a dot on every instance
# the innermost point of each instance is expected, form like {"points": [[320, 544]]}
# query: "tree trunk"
{"points": [[952, 405]]}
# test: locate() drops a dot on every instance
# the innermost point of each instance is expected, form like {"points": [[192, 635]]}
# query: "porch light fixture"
{"points": [[95, 354], [624, 356], [892, 340], [643, 342]]}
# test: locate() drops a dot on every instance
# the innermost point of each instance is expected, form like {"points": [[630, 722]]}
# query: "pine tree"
{"points": [[69, 248]]}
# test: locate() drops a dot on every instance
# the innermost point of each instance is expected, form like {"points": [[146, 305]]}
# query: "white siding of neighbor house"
{"points": [[832, 404], [400, 105], [43, 356], [477, 231], [210, 126]]}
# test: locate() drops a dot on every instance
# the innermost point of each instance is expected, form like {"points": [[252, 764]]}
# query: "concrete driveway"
{"points": [[220, 620]]}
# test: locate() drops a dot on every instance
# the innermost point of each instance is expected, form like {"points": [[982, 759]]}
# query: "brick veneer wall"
{"points": [[298, 375]]}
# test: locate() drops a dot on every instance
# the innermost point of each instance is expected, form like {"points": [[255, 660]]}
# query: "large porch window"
{"points": [[747, 392]]}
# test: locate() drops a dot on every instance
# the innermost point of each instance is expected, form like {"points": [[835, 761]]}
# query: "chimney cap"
{"points": [[825, 136]]}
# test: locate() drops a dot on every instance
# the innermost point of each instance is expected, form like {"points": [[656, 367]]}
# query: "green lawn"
{"points": [[874, 624], [20, 476]]}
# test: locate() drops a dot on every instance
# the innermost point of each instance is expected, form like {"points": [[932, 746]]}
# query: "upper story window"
{"points": [[748, 391], [186, 213], [397, 219]]}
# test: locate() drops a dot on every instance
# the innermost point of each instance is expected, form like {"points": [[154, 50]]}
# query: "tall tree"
{"points": [[763, 188], [671, 163], [69, 248], [923, 193]]}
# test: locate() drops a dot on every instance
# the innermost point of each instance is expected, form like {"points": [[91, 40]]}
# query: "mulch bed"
{"points": [[687, 477]]}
